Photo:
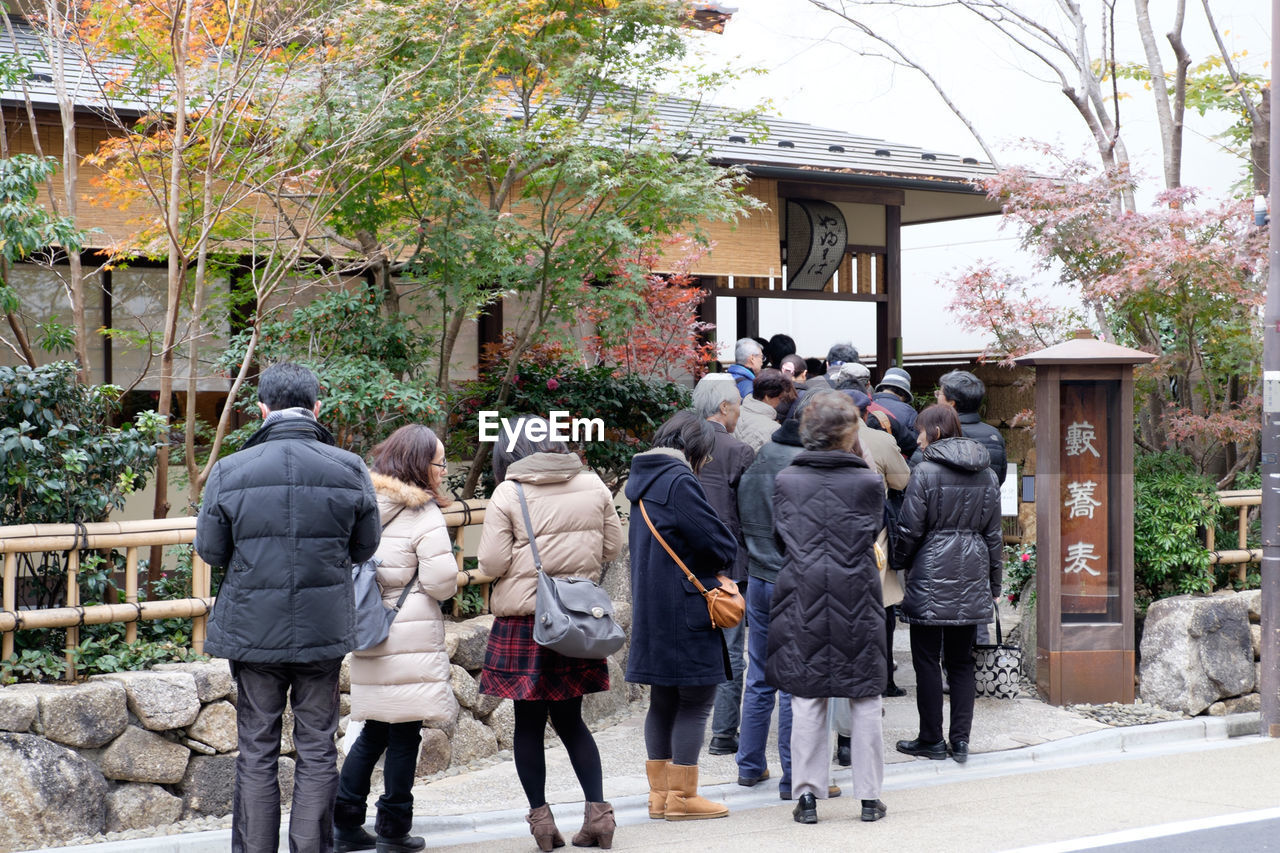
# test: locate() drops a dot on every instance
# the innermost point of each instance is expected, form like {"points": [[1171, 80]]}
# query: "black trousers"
{"points": [[312, 688], [400, 742], [954, 645]]}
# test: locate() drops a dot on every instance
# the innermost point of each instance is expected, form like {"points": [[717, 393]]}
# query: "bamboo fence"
{"points": [[131, 537], [1242, 554]]}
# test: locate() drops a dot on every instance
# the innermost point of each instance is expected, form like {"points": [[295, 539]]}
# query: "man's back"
{"points": [[286, 516]]}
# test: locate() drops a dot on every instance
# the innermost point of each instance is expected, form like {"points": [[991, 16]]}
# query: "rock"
{"points": [[136, 806], [622, 615], [81, 715], [142, 756], [160, 700], [213, 677], [1255, 639], [344, 675], [344, 704], [1195, 651], [435, 754], [472, 638], [1027, 635], [216, 726], [598, 706], [208, 786], [472, 739], [18, 710], [503, 723], [197, 746], [49, 793], [615, 576], [284, 775], [467, 692], [1253, 597], [286, 730], [1244, 704]]}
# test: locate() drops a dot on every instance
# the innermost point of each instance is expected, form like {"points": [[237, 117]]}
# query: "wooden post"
{"points": [[131, 590], [200, 578], [1084, 520], [73, 600]]}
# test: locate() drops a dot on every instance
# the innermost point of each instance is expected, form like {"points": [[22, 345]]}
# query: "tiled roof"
{"points": [[83, 83]]}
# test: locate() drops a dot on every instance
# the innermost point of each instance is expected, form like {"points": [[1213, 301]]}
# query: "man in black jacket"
{"points": [[286, 516], [964, 392], [714, 399]]}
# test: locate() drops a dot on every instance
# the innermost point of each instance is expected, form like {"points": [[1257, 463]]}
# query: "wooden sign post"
{"points": [[1084, 520]]}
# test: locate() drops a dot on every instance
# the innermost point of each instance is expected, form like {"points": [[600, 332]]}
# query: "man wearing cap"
{"points": [[894, 394]]}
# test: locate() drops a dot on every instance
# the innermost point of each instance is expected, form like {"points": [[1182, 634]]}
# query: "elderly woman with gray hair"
{"points": [[576, 529], [826, 623], [715, 400]]}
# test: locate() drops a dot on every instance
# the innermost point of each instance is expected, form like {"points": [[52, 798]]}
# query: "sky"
{"points": [[812, 71]]}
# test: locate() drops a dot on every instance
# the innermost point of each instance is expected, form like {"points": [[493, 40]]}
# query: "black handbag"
{"points": [[996, 668], [572, 616]]}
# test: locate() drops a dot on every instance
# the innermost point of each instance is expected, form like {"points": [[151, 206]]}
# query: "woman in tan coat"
{"points": [[405, 679], [576, 529]]}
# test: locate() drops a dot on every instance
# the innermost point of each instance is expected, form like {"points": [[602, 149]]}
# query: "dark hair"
{"points": [[815, 366], [690, 434], [408, 454], [844, 353], [828, 421], [780, 346], [798, 364], [772, 382], [964, 389], [502, 458], [288, 386], [937, 422]]}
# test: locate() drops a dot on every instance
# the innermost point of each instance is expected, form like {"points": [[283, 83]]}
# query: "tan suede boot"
{"points": [[597, 827], [683, 802], [542, 825], [657, 772]]}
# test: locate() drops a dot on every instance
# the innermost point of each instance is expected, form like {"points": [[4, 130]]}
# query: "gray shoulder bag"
{"points": [[572, 616]]}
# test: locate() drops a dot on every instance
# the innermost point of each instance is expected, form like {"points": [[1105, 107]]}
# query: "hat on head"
{"points": [[896, 377]]}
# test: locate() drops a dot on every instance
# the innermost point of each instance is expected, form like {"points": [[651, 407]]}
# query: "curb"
{"points": [[1088, 748]]}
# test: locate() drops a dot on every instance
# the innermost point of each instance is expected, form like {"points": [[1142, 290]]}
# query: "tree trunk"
{"points": [[1260, 147]]}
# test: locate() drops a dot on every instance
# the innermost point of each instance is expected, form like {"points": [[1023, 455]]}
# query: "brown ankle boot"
{"points": [[597, 827], [657, 772], [683, 802], [542, 824]]}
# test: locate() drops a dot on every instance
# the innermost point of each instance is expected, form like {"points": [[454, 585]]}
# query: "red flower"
{"points": [[552, 384], [1026, 558]]}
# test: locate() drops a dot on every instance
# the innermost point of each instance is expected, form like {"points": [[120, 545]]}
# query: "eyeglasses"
{"points": [[441, 465]]}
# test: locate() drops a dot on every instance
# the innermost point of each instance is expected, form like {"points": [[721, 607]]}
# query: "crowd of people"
{"points": [[802, 484]]}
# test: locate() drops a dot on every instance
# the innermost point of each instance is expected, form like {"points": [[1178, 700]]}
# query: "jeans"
{"points": [[727, 712], [757, 700], [312, 688], [395, 807]]}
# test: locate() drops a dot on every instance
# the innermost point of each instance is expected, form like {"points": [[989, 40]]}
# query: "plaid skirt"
{"points": [[515, 667]]}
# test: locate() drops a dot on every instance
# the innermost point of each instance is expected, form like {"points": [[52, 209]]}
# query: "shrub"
{"points": [[1019, 572], [1173, 506]]}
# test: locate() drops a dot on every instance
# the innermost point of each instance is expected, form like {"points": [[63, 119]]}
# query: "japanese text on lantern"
{"points": [[1085, 556], [829, 237]]}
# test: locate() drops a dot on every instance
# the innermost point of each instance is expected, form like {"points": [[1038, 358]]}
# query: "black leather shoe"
{"points": [[873, 810], [806, 810], [893, 691], [936, 751], [350, 838], [960, 751], [723, 745], [403, 844], [844, 755], [752, 781]]}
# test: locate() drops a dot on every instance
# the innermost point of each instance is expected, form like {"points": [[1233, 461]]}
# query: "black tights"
{"points": [[677, 722], [531, 758]]}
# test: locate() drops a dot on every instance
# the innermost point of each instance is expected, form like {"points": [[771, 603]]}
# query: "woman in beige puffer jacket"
{"points": [[576, 529], [405, 679]]}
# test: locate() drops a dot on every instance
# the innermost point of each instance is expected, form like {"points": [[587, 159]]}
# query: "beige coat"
{"points": [[882, 454], [407, 677], [574, 522], [756, 423]]}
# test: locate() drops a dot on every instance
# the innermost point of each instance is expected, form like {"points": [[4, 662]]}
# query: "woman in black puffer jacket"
{"points": [[950, 544], [826, 624]]}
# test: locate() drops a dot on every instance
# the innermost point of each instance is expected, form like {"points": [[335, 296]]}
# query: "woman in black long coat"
{"points": [[950, 545], [826, 624], [674, 647]]}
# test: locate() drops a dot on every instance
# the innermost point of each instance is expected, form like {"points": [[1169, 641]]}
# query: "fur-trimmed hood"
{"points": [[398, 492]]}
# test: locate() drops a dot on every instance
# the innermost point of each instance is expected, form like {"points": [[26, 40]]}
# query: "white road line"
{"points": [[1147, 833]]}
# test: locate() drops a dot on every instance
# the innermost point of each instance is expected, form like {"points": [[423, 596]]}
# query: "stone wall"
{"points": [[129, 750]]}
